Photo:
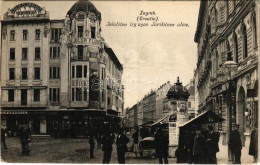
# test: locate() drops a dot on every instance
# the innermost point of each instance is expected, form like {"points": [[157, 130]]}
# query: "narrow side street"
{"points": [[49, 150]]}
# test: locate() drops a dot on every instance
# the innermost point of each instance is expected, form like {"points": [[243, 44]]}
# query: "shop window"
{"points": [[78, 94], [37, 34], [24, 53], [37, 53], [11, 73], [11, 95], [80, 31], [54, 94], [12, 35], [12, 53], [93, 32], [25, 35], [37, 73], [36, 95], [24, 73], [79, 71]]}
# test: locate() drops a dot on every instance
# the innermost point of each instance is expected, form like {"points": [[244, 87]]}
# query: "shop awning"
{"points": [[205, 117], [159, 121], [146, 124]]}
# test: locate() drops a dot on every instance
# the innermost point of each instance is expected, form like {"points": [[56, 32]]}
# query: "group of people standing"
{"points": [[199, 147], [107, 146]]}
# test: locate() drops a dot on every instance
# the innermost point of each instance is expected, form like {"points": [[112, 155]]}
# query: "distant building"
{"points": [[191, 99], [161, 96]]}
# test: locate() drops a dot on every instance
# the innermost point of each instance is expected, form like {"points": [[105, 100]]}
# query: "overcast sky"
{"points": [[150, 56]]}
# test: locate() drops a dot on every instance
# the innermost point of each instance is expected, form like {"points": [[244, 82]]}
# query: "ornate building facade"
{"points": [[228, 30], [58, 75]]}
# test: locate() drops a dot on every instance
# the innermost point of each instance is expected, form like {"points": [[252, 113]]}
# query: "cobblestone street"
{"points": [[49, 150]]}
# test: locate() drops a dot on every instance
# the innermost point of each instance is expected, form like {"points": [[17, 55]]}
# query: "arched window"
{"points": [[244, 34], [235, 47], [254, 30]]}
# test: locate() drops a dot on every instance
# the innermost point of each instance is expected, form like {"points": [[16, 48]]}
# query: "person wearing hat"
{"points": [[212, 139], [121, 144], [107, 142], [235, 144], [161, 146]]}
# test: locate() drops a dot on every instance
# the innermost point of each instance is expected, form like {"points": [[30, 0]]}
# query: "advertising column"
{"points": [[178, 96]]}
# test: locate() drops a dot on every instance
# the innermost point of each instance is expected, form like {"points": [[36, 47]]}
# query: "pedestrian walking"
{"points": [[199, 148], [135, 137], [92, 145], [212, 139], [161, 146], [253, 147], [235, 144], [25, 140], [3, 131], [189, 143], [121, 144], [107, 142]]}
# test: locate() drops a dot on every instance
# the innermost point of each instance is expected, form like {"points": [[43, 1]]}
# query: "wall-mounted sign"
{"points": [[14, 112]]}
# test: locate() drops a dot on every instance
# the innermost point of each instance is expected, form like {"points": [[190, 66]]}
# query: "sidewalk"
{"points": [[222, 155]]}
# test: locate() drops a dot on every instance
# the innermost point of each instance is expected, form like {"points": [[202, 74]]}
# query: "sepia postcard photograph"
{"points": [[129, 82]]}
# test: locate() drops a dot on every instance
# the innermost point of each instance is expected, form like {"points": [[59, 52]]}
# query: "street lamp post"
{"points": [[229, 64]]}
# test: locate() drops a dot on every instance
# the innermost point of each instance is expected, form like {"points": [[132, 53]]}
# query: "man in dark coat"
{"points": [[121, 144], [107, 142], [253, 148], [135, 137], [235, 144], [161, 146], [3, 138], [25, 139], [212, 139], [199, 148], [92, 145], [189, 143]]}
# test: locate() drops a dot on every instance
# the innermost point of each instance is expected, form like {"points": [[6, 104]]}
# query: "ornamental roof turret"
{"points": [[83, 6], [178, 91]]}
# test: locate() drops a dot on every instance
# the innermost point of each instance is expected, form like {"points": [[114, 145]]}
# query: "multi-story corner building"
{"points": [[58, 75], [161, 95], [191, 99], [228, 28]]}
